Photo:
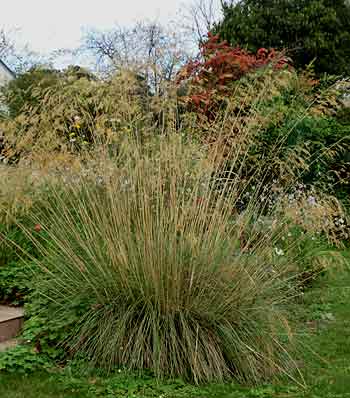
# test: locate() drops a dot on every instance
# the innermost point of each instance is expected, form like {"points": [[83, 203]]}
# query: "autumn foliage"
{"points": [[219, 66]]}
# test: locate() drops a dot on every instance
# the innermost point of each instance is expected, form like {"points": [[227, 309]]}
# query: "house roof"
{"points": [[7, 68]]}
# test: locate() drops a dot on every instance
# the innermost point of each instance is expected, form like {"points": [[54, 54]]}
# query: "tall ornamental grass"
{"points": [[155, 252]]}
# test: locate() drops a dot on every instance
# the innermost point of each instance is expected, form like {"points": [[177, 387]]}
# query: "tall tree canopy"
{"points": [[309, 29]]}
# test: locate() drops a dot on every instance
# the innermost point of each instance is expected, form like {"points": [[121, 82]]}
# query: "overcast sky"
{"points": [[50, 24]]}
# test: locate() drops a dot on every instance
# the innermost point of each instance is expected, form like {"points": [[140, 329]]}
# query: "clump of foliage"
{"points": [[317, 30], [284, 121], [220, 65], [246, 95], [19, 92], [15, 270], [152, 254], [70, 111], [23, 359], [328, 144], [20, 188]]}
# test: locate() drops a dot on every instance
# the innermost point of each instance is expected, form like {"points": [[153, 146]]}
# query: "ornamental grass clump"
{"points": [[153, 252]]}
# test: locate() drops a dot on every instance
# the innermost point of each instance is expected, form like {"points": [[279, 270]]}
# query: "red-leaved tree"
{"points": [[219, 66]]}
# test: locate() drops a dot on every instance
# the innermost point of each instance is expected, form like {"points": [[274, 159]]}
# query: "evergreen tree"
{"points": [[310, 30]]}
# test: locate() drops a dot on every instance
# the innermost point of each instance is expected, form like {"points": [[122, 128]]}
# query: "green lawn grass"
{"points": [[324, 314], [34, 386]]}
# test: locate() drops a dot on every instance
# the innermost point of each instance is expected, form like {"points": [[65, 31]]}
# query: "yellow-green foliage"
{"points": [[75, 112]]}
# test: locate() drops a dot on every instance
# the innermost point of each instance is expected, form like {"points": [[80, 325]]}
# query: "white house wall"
{"points": [[5, 75]]}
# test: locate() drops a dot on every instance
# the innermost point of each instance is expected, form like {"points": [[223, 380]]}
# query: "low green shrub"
{"points": [[17, 252], [16, 249], [328, 144], [15, 283], [23, 359]]}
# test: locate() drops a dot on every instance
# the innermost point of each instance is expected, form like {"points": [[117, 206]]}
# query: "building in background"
{"points": [[6, 74]]}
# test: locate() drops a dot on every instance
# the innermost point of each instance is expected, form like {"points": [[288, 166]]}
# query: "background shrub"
{"points": [[70, 111]]}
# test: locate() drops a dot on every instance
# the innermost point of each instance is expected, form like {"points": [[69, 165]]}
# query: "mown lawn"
{"points": [[33, 386], [325, 315]]}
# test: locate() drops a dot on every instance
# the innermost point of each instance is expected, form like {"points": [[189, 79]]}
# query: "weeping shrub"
{"points": [[72, 111]]}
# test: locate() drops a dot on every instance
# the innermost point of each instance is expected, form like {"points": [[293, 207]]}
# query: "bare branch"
{"points": [[19, 58], [201, 16], [150, 49]]}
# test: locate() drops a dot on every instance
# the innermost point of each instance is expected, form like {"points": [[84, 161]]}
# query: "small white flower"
{"points": [[279, 252]]}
